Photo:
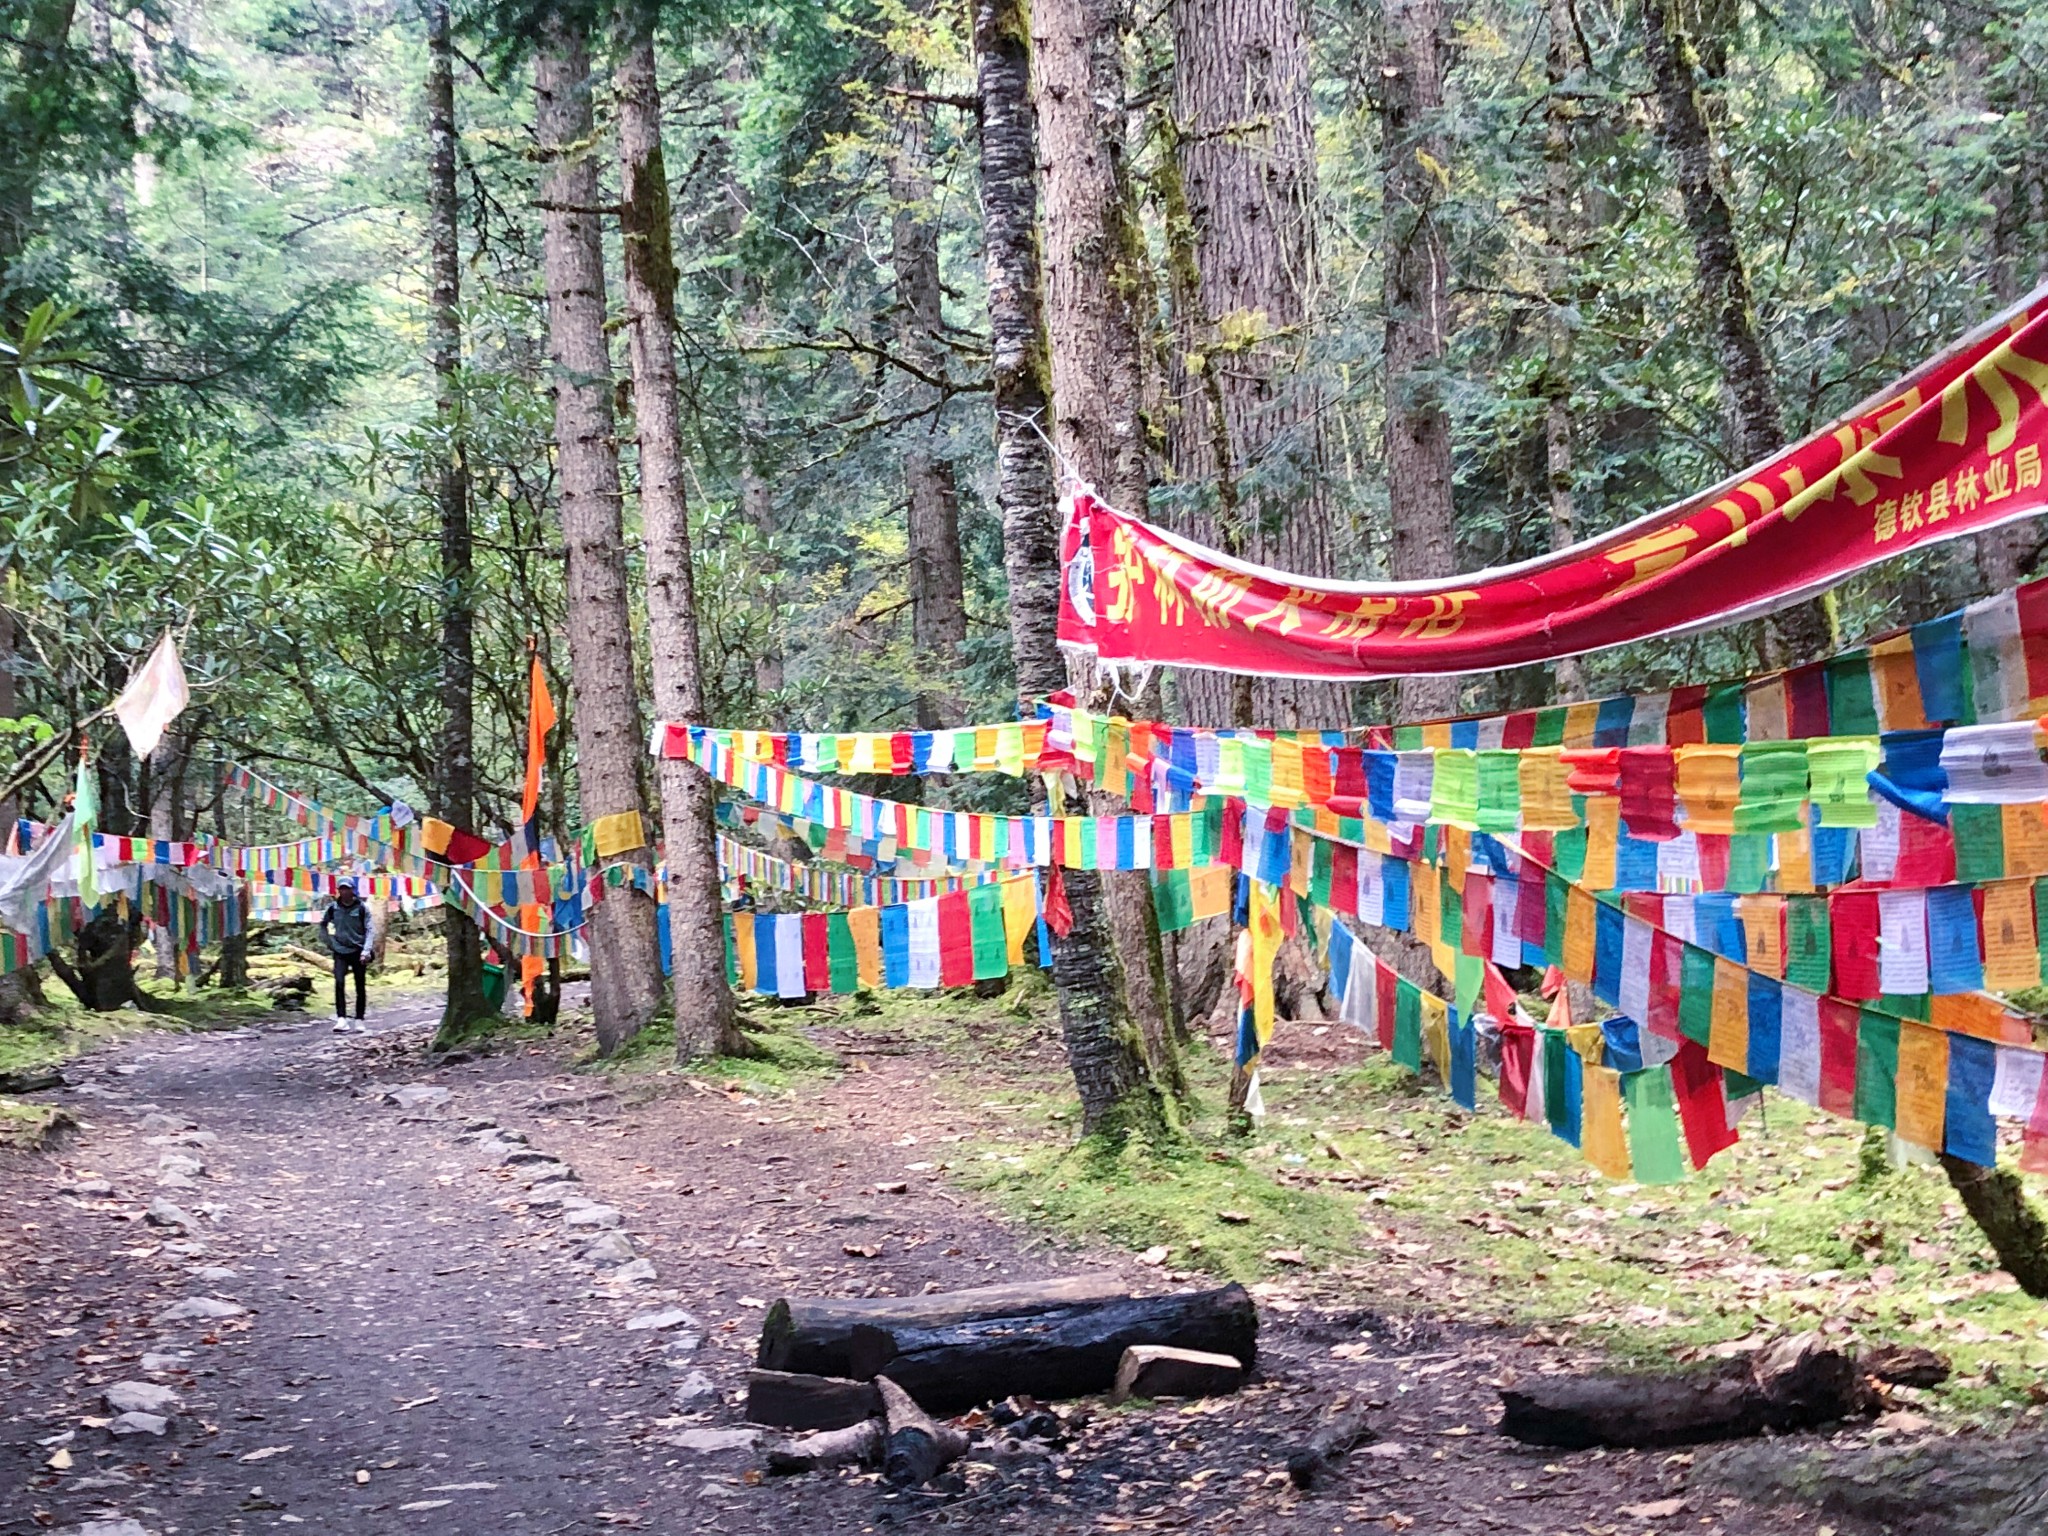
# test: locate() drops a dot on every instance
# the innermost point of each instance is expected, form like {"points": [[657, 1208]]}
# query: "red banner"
{"points": [[1954, 448]]}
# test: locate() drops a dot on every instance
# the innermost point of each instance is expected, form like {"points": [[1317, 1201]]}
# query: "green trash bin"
{"points": [[494, 986]]}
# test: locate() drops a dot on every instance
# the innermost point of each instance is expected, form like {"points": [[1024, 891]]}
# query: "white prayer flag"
{"points": [[155, 696], [1799, 1045], [1902, 942]]}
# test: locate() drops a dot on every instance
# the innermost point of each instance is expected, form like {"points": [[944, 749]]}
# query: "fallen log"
{"points": [[917, 1449], [810, 1336], [1795, 1383], [791, 1401], [1060, 1352], [1345, 1426], [860, 1442]]}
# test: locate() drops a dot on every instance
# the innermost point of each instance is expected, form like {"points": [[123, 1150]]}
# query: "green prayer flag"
{"points": [[1469, 982], [1749, 861], [1877, 1070], [985, 926], [1454, 788], [841, 957], [1556, 897], [1809, 948], [1654, 1153], [1408, 1025], [1696, 993], [1980, 841], [1723, 714], [1500, 791], [1852, 702], [1838, 772], [1173, 899], [1773, 795]]}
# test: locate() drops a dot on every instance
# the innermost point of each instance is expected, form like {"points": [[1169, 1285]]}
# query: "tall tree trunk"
{"points": [[1755, 418], [1091, 244], [625, 962], [1560, 228], [705, 1024], [454, 787], [1246, 402], [1415, 159], [1020, 366], [938, 586]]}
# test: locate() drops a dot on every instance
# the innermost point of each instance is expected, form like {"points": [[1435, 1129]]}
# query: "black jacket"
{"points": [[347, 928]]}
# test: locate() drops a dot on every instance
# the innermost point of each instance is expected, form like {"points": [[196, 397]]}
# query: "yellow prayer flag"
{"points": [[743, 948], [1795, 860], [1580, 721], [1603, 842], [2026, 839], [1601, 1137], [1546, 791], [1436, 1035], [1923, 1085], [1728, 1024], [1896, 677], [1288, 788], [865, 923], [1763, 930], [2012, 955], [1580, 917], [1709, 784]]}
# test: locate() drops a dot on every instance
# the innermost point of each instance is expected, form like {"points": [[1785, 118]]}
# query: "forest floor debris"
{"points": [[411, 1316]]}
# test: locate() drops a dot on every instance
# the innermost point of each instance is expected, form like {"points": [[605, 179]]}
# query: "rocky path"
{"points": [[286, 1280]]}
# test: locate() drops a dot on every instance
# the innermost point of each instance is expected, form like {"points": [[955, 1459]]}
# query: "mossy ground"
{"points": [[1364, 1182]]}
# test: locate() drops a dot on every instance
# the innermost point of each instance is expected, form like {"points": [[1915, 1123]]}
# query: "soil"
{"points": [[422, 1350]]}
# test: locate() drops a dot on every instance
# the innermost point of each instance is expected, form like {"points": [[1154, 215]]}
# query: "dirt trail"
{"points": [[422, 1348]]}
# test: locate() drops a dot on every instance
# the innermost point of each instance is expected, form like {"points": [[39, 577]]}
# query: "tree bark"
{"points": [[1091, 247], [454, 788], [1415, 160], [938, 589], [1560, 230], [1020, 366], [704, 1014], [2014, 1226], [1755, 418], [1242, 429], [625, 968]]}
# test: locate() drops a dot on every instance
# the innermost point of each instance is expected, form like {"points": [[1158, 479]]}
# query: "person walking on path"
{"points": [[347, 929]]}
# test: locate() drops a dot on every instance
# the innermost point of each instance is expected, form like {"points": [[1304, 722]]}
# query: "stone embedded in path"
{"points": [[612, 1248], [657, 1322], [709, 1440], [695, 1390], [141, 1397], [161, 1213], [139, 1424], [593, 1216], [419, 1096], [1159, 1370], [200, 1309]]}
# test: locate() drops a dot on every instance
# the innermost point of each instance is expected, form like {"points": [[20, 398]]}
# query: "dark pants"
{"points": [[344, 964]]}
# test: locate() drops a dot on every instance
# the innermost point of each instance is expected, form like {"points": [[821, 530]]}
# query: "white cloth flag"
{"points": [[924, 942], [1902, 942], [155, 696], [1799, 1045], [2016, 1083], [789, 954], [1993, 765]]}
